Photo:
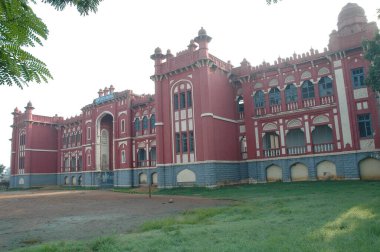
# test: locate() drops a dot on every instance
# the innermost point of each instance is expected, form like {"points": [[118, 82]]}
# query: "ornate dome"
{"points": [[157, 51], [351, 14], [202, 32]]}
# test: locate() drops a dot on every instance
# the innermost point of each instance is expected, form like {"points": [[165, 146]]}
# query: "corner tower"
{"points": [[353, 28], [197, 121]]}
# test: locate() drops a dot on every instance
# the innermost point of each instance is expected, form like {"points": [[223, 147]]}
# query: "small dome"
{"points": [[111, 86], [157, 50], [29, 104], [350, 14], [202, 32], [16, 110]]}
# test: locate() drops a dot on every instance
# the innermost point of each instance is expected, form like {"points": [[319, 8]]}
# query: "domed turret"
{"points": [[29, 106], [351, 14], [157, 55], [202, 31], [203, 39], [158, 50], [353, 28]]}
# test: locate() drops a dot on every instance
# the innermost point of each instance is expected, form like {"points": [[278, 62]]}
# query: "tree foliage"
{"points": [[20, 28], [2, 168], [272, 1], [372, 54], [84, 7]]}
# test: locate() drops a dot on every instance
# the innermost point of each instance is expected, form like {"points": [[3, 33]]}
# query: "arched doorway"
{"points": [[186, 177], [299, 172], [274, 173], [154, 178], [104, 140], [326, 170], [143, 179], [369, 169]]}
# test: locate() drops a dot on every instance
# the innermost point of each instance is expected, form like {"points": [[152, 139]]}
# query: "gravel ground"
{"points": [[31, 217]]}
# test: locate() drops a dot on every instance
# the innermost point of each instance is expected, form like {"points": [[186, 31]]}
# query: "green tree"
{"points": [[372, 54], [20, 28], [2, 167]]}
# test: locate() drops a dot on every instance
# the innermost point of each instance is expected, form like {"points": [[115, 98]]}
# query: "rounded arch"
{"points": [[274, 173], [103, 114], [66, 180], [291, 93], [73, 180], [259, 99], [323, 71], [186, 176], [145, 123], [122, 114], [307, 90], [299, 172], [154, 178], [369, 169], [325, 86], [21, 181], [326, 170], [98, 155], [143, 178], [274, 96]]}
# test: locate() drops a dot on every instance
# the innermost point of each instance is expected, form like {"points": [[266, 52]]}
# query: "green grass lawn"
{"points": [[307, 216]]}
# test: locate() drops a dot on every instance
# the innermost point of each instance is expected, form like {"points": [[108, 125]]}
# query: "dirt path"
{"points": [[30, 217]]}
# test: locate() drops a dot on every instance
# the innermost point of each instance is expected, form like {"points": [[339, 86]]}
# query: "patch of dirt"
{"points": [[31, 217]]}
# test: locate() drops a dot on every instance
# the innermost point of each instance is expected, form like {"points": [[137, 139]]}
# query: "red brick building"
{"points": [[305, 117]]}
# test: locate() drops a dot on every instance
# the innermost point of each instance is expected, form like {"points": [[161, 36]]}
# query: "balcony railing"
{"points": [[241, 115], [260, 111], [153, 163], [296, 150], [292, 106], [327, 99], [275, 108], [324, 147], [142, 163], [272, 153], [308, 103]]}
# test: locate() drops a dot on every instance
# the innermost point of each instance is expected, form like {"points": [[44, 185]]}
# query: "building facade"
{"points": [[306, 117]]}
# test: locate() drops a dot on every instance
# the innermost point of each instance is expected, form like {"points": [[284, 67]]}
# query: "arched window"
{"points": [[240, 104], [271, 141], [145, 122], [80, 163], [259, 99], [88, 159], [122, 126], [325, 87], [137, 125], [152, 156], [73, 164], [79, 138], [274, 97], [153, 121], [291, 93], [141, 156], [307, 90], [123, 157]]}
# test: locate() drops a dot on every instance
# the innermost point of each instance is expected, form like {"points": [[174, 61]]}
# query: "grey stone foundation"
{"points": [[206, 174]]}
